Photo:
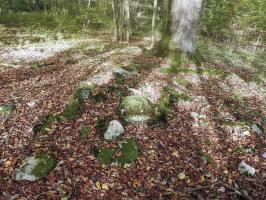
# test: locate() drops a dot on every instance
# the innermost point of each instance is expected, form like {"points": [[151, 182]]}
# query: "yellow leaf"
{"points": [[169, 190], [202, 179], [98, 185], [175, 154], [182, 176], [8, 163], [37, 145], [105, 186]]}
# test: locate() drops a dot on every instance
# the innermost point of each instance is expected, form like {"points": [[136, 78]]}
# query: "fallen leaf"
{"points": [[105, 186], [98, 185], [136, 183], [182, 176], [8, 164], [175, 154], [51, 179]]}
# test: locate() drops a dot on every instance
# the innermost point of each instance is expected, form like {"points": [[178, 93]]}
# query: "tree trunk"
{"points": [[155, 7], [127, 16], [186, 16], [185, 20], [115, 6], [166, 29]]}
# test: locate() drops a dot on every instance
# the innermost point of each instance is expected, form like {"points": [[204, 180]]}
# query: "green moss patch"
{"points": [[45, 124], [168, 98], [45, 163], [106, 155], [36, 167], [117, 90], [125, 153], [129, 152], [101, 125], [183, 82], [73, 110], [83, 133], [84, 91], [7, 109]]}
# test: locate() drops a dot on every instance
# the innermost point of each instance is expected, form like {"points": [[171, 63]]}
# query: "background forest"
{"points": [[241, 21]]}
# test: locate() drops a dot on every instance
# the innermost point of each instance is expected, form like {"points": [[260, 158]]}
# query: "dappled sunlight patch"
{"points": [[196, 103], [102, 78], [37, 51], [150, 90], [237, 131], [236, 84]]}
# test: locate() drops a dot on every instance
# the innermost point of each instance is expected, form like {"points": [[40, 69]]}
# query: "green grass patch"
{"points": [[183, 82]]}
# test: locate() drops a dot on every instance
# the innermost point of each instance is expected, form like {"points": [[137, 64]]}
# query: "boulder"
{"points": [[136, 109], [114, 130], [84, 90], [35, 167], [245, 168], [120, 71], [256, 129]]}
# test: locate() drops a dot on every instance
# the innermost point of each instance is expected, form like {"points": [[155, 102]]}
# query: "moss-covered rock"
{"points": [[73, 110], [168, 98], [7, 109], [84, 90], [256, 128], [35, 167], [120, 71], [136, 109], [117, 90]]}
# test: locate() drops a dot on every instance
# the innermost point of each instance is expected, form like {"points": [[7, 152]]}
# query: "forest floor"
{"points": [[216, 121]]}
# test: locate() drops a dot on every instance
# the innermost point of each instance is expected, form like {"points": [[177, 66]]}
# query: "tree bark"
{"points": [[155, 7], [166, 29], [127, 16], [115, 6]]}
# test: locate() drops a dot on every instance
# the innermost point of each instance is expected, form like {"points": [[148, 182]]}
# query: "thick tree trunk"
{"points": [[185, 20]]}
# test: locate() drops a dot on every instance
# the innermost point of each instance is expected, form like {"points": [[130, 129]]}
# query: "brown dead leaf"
{"points": [[51, 178]]}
